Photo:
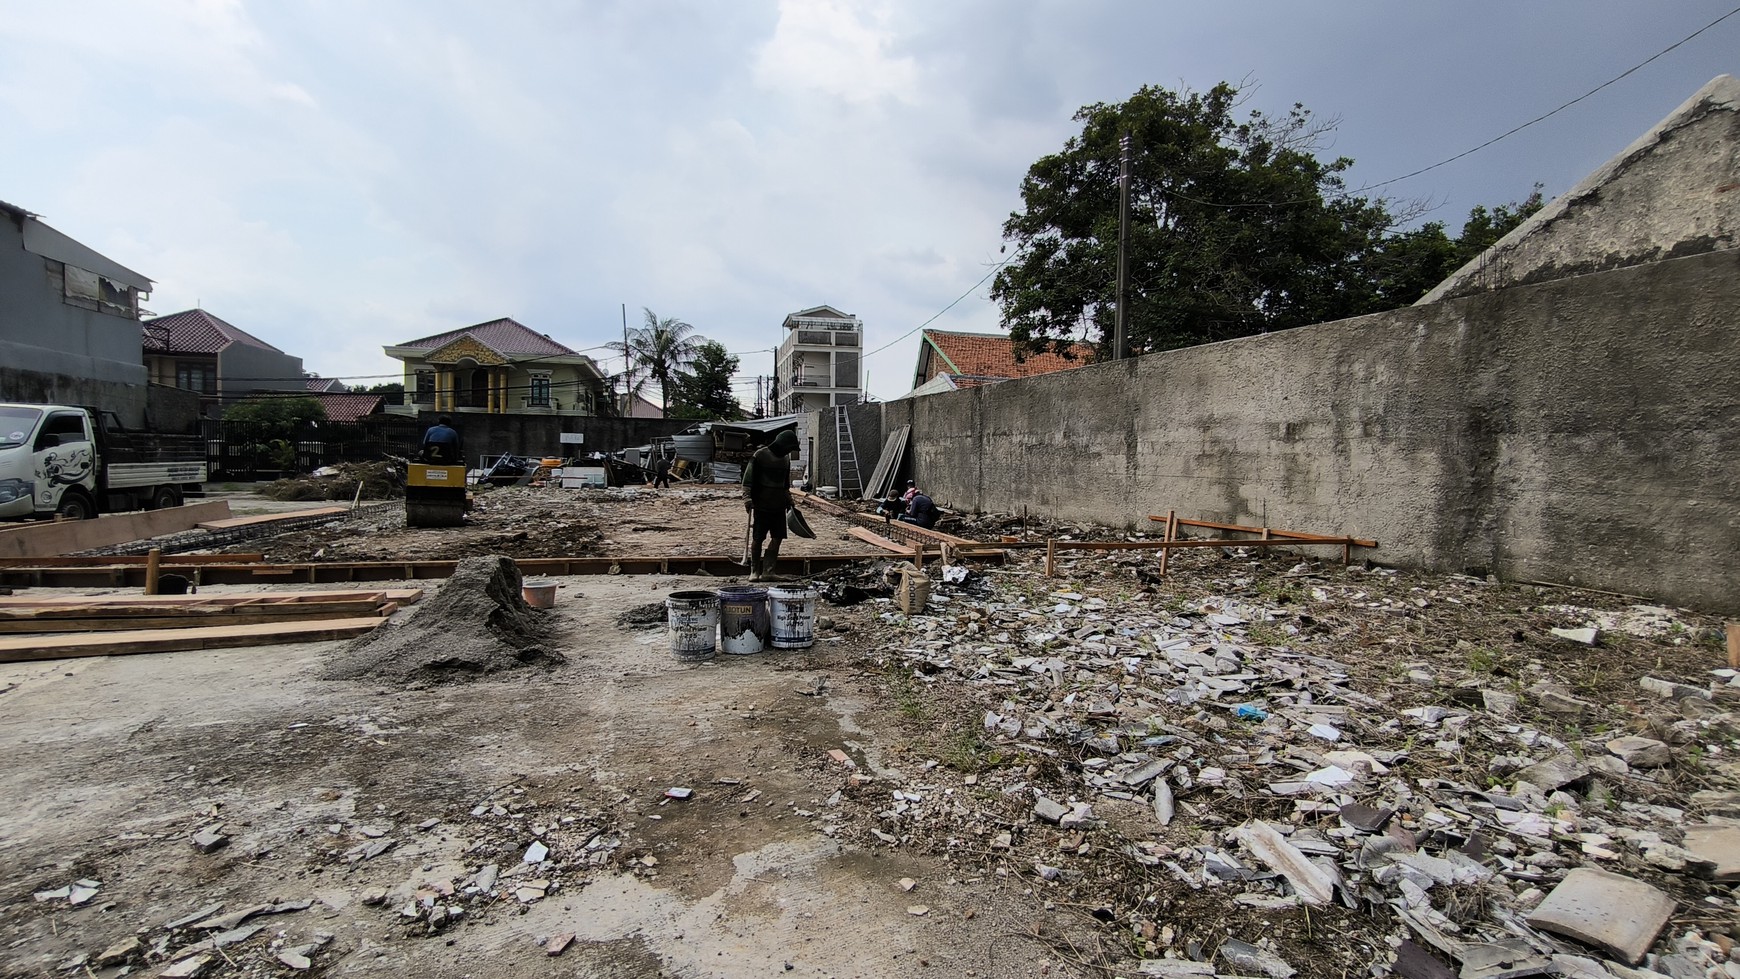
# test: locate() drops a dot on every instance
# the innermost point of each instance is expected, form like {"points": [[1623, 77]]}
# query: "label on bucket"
{"points": [[692, 618], [794, 617]]}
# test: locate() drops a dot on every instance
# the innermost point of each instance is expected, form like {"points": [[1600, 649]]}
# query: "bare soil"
{"points": [[532, 522], [114, 763]]}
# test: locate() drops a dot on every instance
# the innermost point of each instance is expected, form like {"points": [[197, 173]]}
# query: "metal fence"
{"points": [[255, 450]]}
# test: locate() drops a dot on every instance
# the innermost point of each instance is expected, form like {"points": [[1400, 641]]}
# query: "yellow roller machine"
{"points": [[434, 495]]}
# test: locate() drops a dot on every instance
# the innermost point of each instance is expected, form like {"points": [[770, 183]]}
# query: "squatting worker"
{"points": [[921, 511], [441, 443], [767, 496]]}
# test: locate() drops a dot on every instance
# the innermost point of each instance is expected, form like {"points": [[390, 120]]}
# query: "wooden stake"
{"points": [[153, 561], [1051, 556], [1734, 645], [1167, 553]]}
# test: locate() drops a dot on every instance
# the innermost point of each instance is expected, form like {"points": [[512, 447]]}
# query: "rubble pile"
{"points": [[378, 481], [477, 623], [1273, 772]]}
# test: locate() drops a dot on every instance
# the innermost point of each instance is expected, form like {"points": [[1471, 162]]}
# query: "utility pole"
{"points": [[1119, 343], [627, 366]]}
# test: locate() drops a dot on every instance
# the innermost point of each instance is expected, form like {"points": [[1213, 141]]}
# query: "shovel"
{"points": [[748, 539]]}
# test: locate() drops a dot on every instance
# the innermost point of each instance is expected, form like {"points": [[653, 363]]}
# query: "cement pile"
{"points": [[476, 624]]}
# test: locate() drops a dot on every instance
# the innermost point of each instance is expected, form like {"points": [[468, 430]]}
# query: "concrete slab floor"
{"points": [[111, 765]]}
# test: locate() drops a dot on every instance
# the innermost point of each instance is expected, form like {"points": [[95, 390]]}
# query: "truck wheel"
{"points": [[165, 497], [76, 506]]}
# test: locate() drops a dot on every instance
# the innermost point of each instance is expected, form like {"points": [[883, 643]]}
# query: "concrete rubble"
{"points": [[1479, 825]]}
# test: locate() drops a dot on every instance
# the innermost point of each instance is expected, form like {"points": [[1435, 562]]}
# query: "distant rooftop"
{"points": [[504, 336], [195, 331]]}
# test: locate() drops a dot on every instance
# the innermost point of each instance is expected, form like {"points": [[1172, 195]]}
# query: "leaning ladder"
{"points": [[846, 456]]}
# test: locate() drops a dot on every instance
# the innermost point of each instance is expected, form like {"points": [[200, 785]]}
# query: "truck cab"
{"points": [[77, 462]]}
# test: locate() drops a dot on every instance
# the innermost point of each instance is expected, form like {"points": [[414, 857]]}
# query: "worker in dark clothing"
{"points": [[767, 496], [921, 511], [440, 443], [890, 507], [662, 472]]}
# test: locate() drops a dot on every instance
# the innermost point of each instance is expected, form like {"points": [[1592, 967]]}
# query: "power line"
{"points": [[1472, 150]]}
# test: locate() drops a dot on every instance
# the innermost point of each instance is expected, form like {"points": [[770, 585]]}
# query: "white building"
{"points": [[820, 364]]}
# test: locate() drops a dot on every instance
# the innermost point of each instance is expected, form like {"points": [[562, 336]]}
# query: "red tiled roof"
{"points": [[978, 355], [195, 331], [348, 407], [325, 385], [504, 336]]}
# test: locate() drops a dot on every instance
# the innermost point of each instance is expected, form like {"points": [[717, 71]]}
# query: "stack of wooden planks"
{"points": [[61, 627]]}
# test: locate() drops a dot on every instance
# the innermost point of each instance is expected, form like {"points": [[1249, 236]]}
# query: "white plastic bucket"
{"points": [[692, 619], [793, 611]]}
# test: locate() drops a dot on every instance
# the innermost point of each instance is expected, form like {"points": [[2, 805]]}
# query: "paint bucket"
{"points": [[744, 624], [793, 610], [539, 594], [692, 619]]}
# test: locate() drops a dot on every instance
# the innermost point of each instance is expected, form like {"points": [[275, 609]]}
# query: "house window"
{"points": [[93, 291], [195, 376], [540, 393], [425, 387]]}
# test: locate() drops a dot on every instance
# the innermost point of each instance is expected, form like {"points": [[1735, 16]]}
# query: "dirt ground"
{"points": [[377, 804], [549, 522], [113, 763]]}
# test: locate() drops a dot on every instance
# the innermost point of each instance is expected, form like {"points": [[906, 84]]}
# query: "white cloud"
{"points": [[837, 49]]}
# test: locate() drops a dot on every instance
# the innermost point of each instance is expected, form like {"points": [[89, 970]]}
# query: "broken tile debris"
{"points": [[1474, 784]]}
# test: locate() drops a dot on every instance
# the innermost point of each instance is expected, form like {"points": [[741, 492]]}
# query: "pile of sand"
{"points": [[477, 623]]}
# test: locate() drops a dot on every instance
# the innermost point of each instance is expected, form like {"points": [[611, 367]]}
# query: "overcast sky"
{"points": [[338, 175]]}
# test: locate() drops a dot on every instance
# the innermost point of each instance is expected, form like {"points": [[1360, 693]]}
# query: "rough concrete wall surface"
{"points": [[1674, 192], [171, 410], [127, 401], [1578, 430]]}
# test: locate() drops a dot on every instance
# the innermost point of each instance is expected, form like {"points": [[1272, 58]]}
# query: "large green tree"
{"points": [[283, 412], [658, 352], [704, 391], [1236, 227]]}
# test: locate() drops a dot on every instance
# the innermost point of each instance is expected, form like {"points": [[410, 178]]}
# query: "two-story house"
{"points": [[500, 366], [222, 362], [820, 362], [69, 321]]}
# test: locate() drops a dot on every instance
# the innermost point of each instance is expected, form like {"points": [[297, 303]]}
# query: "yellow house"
{"points": [[500, 366]]}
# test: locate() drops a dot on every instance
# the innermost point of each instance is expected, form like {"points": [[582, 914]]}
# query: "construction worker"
{"points": [[920, 511], [766, 497], [440, 443]]}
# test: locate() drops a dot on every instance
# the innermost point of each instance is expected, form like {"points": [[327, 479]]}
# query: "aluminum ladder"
{"points": [[846, 456]]}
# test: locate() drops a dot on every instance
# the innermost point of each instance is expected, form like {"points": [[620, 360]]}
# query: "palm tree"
{"points": [[663, 348]]}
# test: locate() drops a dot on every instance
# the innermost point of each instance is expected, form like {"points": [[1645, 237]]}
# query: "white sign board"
{"points": [[573, 438]]}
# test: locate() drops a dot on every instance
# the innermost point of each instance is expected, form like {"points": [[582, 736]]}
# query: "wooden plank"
{"points": [[207, 617], [117, 560], [122, 613], [24, 649], [401, 595], [231, 523], [346, 571], [880, 541], [1733, 645], [1294, 534], [887, 464], [1156, 545], [67, 536]]}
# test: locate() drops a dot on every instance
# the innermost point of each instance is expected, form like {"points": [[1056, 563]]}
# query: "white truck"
{"points": [[78, 462]]}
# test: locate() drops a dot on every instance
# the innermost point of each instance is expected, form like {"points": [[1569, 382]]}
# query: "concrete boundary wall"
{"points": [[1584, 430]]}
